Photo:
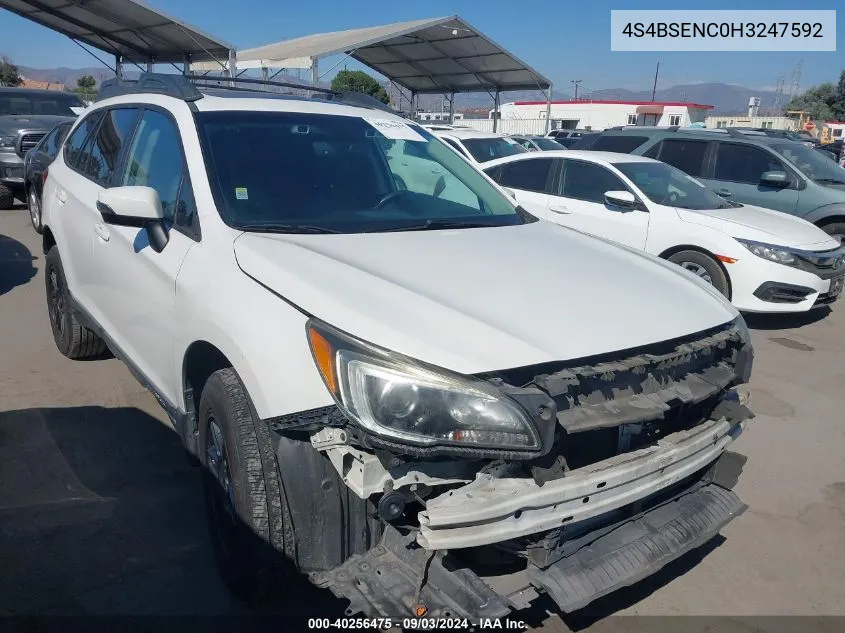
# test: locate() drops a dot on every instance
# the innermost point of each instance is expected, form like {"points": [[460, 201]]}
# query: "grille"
{"points": [[29, 140]]}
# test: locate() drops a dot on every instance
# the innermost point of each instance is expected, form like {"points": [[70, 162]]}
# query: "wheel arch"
{"points": [[48, 241], [672, 250]]}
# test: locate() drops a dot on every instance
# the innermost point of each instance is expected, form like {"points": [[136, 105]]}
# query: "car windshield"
{"points": [[484, 149], [663, 184], [547, 144], [811, 163], [58, 104], [295, 172]]}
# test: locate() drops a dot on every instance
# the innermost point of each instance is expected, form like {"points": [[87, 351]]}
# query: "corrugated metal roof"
{"points": [[125, 27], [426, 56]]}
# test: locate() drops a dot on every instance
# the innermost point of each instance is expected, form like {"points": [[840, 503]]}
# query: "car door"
{"points": [[737, 169], [530, 181], [137, 284], [72, 213], [579, 203]]}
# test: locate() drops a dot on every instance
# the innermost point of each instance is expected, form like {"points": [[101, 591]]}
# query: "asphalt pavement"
{"points": [[101, 513]]}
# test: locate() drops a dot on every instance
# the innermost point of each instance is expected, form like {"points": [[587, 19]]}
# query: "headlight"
{"points": [[773, 253], [406, 401], [7, 143]]}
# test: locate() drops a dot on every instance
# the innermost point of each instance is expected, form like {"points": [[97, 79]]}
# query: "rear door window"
{"points": [[622, 144], [737, 162], [528, 175], [687, 155]]}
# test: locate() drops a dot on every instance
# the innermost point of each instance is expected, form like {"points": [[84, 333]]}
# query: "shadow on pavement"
{"points": [[102, 514], [16, 267], [760, 321]]}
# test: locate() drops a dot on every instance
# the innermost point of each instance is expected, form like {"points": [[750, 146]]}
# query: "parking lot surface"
{"points": [[100, 512]]}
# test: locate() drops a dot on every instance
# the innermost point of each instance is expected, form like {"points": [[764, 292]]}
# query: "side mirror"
{"points": [[510, 192], [135, 206], [775, 179], [623, 199], [723, 193]]}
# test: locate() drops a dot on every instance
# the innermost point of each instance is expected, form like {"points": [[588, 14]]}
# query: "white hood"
{"points": [[762, 225], [475, 300]]}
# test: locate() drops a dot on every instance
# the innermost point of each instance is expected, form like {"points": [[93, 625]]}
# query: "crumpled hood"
{"points": [[762, 225], [14, 123], [475, 300]]}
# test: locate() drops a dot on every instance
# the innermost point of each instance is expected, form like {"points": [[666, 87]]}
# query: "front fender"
{"points": [[819, 215]]}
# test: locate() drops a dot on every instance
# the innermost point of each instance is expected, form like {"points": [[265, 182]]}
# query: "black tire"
{"points": [[705, 267], [250, 523], [34, 205], [836, 229], [7, 198], [73, 339]]}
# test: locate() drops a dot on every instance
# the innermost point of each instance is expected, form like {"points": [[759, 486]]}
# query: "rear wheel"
{"points": [[835, 229], [72, 339], [250, 523], [35, 211], [705, 267]]}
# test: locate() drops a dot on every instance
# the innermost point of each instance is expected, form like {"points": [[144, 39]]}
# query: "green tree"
{"points": [[359, 81], [825, 101], [86, 85], [9, 76]]}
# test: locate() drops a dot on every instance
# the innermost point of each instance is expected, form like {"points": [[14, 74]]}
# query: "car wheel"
{"points": [[835, 229], [73, 339], [705, 267], [35, 211], [7, 198], [251, 528]]}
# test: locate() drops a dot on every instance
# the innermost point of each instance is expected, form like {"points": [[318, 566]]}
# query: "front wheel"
{"points": [[705, 267], [836, 230], [251, 527], [35, 211]]}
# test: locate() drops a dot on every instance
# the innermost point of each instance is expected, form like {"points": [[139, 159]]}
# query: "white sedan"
{"points": [[763, 260]]}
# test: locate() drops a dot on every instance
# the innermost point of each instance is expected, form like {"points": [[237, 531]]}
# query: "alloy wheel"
{"points": [[697, 269]]}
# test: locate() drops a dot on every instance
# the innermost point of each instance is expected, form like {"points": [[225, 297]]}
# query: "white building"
{"points": [[600, 115], [837, 129]]}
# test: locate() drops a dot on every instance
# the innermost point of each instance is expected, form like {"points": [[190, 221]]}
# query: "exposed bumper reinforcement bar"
{"points": [[491, 510], [638, 548]]}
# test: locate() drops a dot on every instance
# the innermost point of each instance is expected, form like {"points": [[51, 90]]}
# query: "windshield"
{"points": [[484, 149], [58, 104], [811, 163], [314, 173], [547, 144], [663, 184]]}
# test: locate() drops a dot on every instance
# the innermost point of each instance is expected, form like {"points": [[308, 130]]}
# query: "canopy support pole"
{"points": [[496, 113], [232, 67], [186, 64], [413, 105], [150, 62], [315, 72], [549, 110], [118, 67], [452, 108]]}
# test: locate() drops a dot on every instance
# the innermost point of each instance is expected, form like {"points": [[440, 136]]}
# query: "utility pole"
{"points": [[654, 88], [575, 83]]}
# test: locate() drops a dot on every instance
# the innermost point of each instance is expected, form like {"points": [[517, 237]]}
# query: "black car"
{"points": [[586, 141], [36, 162]]}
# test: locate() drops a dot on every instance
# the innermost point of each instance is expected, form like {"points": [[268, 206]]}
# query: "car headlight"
{"points": [[7, 143], [403, 400], [772, 252]]}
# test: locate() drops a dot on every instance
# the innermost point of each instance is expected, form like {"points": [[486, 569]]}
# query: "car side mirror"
{"points": [[623, 199], [510, 192], [135, 206], [775, 179]]}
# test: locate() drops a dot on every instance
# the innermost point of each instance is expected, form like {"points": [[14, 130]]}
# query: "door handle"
{"points": [[561, 210], [101, 231], [436, 171], [61, 196]]}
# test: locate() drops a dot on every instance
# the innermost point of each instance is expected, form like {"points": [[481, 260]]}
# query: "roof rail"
{"points": [[357, 99], [178, 86]]}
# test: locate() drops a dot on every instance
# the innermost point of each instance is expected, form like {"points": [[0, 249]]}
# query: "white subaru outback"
{"points": [[425, 405]]}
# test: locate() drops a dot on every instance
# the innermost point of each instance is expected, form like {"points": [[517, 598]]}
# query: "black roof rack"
{"points": [[187, 88]]}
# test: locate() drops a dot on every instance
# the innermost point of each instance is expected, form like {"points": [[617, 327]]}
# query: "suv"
{"points": [[427, 407], [25, 117], [747, 167]]}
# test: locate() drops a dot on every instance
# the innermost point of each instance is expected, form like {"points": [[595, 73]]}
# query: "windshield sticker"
{"points": [[241, 193], [395, 130]]}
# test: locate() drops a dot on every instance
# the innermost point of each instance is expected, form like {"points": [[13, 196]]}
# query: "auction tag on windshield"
{"points": [[241, 193], [395, 129]]}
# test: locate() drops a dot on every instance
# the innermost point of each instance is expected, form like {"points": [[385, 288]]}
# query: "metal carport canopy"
{"points": [[127, 28], [439, 55]]}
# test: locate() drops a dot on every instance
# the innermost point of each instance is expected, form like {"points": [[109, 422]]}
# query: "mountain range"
{"points": [[725, 98]]}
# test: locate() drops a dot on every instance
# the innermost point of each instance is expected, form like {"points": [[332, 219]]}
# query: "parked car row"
{"points": [[345, 318]]}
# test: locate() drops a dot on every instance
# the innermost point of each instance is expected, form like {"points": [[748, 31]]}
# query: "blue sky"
{"points": [[563, 39]]}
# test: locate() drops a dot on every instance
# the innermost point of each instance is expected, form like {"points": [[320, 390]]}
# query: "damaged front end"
{"points": [[627, 471]]}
